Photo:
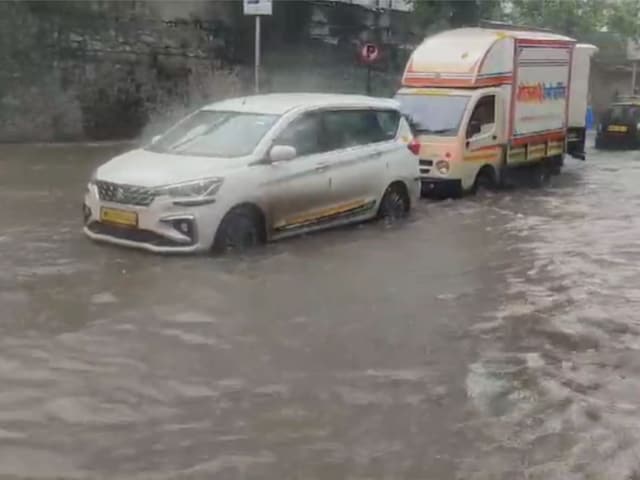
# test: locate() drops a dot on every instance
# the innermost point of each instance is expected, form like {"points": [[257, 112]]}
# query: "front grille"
{"points": [[426, 163], [125, 194], [134, 235]]}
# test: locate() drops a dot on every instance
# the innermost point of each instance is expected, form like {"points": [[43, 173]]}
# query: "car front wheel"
{"points": [[241, 229], [395, 203]]}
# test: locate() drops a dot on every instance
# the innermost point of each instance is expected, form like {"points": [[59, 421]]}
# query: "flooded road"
{"points": [[487, 338]]}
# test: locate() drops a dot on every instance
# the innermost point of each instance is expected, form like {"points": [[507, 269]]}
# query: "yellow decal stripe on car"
{"points": [[322, 214]]}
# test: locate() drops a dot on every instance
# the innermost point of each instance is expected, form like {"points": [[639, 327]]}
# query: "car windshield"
{"points": [[213, 133], [623, 114], [434, 114]]}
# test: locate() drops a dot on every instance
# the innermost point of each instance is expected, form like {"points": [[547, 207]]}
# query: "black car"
{"points": [[620, 126]]}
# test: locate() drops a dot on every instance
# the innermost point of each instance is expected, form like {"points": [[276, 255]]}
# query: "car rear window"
{"points": [[623, 114], [349, 128]]}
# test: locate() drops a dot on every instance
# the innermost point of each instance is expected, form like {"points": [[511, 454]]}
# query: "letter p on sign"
{"points": [[370, 53]]}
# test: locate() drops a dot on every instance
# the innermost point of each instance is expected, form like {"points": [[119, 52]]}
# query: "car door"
{"points": [[482, 142], [357, 163], [298, 189]]}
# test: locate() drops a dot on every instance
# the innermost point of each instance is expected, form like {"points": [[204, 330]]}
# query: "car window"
{"points": [[304, 134], [351, 128], [389, 121], [484, 113]]}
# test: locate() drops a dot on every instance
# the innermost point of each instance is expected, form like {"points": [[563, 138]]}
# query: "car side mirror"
{"points": [[474, 128], [282, 153]]}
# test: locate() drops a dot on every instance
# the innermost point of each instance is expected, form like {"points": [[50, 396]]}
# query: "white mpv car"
{"points": [[247, 170]]}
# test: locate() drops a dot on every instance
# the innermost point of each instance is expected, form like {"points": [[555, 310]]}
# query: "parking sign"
{"points": [[258, 7]]}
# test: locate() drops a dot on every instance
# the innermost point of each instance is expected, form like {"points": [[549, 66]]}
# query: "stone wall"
{"points": [[104, 72], [97, 69]]}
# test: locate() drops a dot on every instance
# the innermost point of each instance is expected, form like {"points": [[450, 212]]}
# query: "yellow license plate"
{"points": [[617, 128], [119, 217]]}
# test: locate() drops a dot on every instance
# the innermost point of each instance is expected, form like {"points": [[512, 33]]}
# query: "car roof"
{"points": [[280, 103]]}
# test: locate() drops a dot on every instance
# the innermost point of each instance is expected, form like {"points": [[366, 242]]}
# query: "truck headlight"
{"points": [[205, 188], [442, 166]]}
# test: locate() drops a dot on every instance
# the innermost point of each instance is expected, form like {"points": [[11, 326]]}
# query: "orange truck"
{"points": [[485, 101]]}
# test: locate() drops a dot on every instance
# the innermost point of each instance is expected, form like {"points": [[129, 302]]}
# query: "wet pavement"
{"points": [[486, 338]]}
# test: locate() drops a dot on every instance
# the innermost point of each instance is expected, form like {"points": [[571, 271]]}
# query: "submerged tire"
{"points": [[395, 203], [540, 175], [241, 229], [485, 180], [556, 165]]}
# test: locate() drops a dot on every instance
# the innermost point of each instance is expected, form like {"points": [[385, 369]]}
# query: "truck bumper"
{"points": [[440, 187]]}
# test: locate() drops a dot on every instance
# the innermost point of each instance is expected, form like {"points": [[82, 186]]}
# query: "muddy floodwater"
{"points": [[492, 338]]}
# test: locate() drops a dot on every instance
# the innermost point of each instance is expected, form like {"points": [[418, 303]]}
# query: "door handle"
{"points": [[323, 167]]}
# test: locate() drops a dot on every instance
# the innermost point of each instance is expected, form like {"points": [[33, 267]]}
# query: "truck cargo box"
{"points": [[547, 85]]}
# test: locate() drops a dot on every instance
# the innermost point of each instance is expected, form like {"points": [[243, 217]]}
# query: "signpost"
{"points": [[257, 8], [369, 55]]}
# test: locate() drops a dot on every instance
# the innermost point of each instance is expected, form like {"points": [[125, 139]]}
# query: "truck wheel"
{"points": [[485, 180], [556, 165], [541, 175]]}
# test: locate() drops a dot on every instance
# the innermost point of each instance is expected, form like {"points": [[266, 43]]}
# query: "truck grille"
{"points": [[425, 166], [125, 194]]}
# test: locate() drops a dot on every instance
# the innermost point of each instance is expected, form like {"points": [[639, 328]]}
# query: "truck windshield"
{"points": [[433, 114]]}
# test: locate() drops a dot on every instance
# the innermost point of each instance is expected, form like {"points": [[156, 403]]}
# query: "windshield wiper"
{"points": [[207, 131]]}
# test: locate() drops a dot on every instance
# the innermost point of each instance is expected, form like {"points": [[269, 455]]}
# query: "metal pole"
{"points": [[257, 62], [368, 79], [633, 77]]}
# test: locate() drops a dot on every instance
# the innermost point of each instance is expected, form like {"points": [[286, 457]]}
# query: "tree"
{"points": [[580, 18], [456, 13]]}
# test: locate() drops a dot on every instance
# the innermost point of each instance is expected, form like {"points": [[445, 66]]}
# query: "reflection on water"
{"points": [[491, 338], [556, 382]]}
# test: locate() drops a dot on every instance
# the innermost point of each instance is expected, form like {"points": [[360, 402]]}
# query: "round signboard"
{"points": [[370, 53]]}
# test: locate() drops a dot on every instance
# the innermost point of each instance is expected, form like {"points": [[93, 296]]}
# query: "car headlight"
{"points": [[205, 188], [442, 166]]}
